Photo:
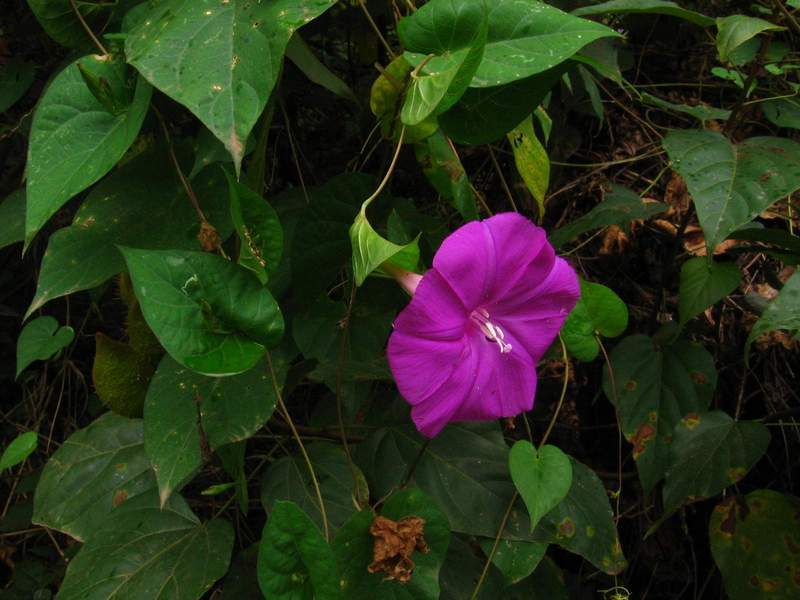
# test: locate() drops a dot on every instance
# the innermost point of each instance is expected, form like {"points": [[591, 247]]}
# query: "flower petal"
{"points": [[421, 366], [534, 317], [505, 384], [466, 260], [435, 311]]}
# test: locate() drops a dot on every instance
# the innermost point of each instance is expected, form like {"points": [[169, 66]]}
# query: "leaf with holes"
{"points": [[294, 560], [532, 161], [704, 282], [288, 478], [143, 551], [209, 314], [41, 339], [181, 403], [732, 184], [782, 313], [542, 477], [141, 204], [599, 311], [95, 470], [527, 37], [653, 387], [74, 139], [354, 546], [710, 451], [226, 78], [755, 541], [444, 42]]}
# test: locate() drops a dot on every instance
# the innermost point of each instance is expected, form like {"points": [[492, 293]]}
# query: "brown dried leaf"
{"points": [[395, 542], [614, 241], [676, 195], [208, 236], [694, 241]]}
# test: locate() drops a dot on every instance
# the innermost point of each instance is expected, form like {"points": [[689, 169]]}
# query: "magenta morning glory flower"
{"points": [[466, 346]]}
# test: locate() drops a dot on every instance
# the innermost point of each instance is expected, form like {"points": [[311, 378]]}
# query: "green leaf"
{"points": [[229, 53], [294, 561], [444, 41], [732, 184], [185, 410], [464, 469], [710, 451], [288, 479], [12, 218], [94, 471], [16, 76], [19, 449], [353, 548], [543, 477], [516, 559], [209, 150], [41, 339], [484, 115], [385, 101], [660, 7], [754, 541], [143, 551], [704, 282], [461, 570], [532, 161], [301, 55], [529, 37], [60, 22], [619, 207], [371, 250], [700, 112], [444, 171], [583, 522], [259, 229], [735, 30], [782, 313], [143, 205], [653, 388], [599, 311], [547, 583], [785, 241], [74, 139], [209, 314], [121, 374], [782, 112]]}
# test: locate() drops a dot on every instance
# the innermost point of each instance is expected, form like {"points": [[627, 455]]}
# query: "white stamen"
{"points": [[492, 331]]}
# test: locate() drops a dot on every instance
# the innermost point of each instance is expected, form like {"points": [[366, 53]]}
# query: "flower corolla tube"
{"points": [[465, 348]]}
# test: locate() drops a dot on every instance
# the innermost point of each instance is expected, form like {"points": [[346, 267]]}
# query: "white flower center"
{"points": [[491, 330]]}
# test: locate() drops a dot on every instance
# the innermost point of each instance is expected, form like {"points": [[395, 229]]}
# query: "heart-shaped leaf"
{"points": [[710, 451], [95, 470], [599, 311], [543, 477], [226, 78], [184, 411], [41, 339], [444, 40], [515, 559], [732, 184], [754, 542], [294, 560], [209, 314], [653, 387], [704, 282], [371, 250], [143, 551], [527, 37], [141, 204], [735, 30], [75, 140], [19, 449]]}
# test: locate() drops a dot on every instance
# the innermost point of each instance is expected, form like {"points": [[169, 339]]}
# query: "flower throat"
{"points": [[492, 331]]}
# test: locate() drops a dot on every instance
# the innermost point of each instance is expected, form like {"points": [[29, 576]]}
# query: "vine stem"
{"points": [[298, 439], [563, 393], [88, 29], [389, 171]]}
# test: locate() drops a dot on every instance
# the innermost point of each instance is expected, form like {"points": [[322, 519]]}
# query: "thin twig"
{"points": [[88, 29], [389, 172], [494, 547], [563, 392], [377, 31], [502, 179]]}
